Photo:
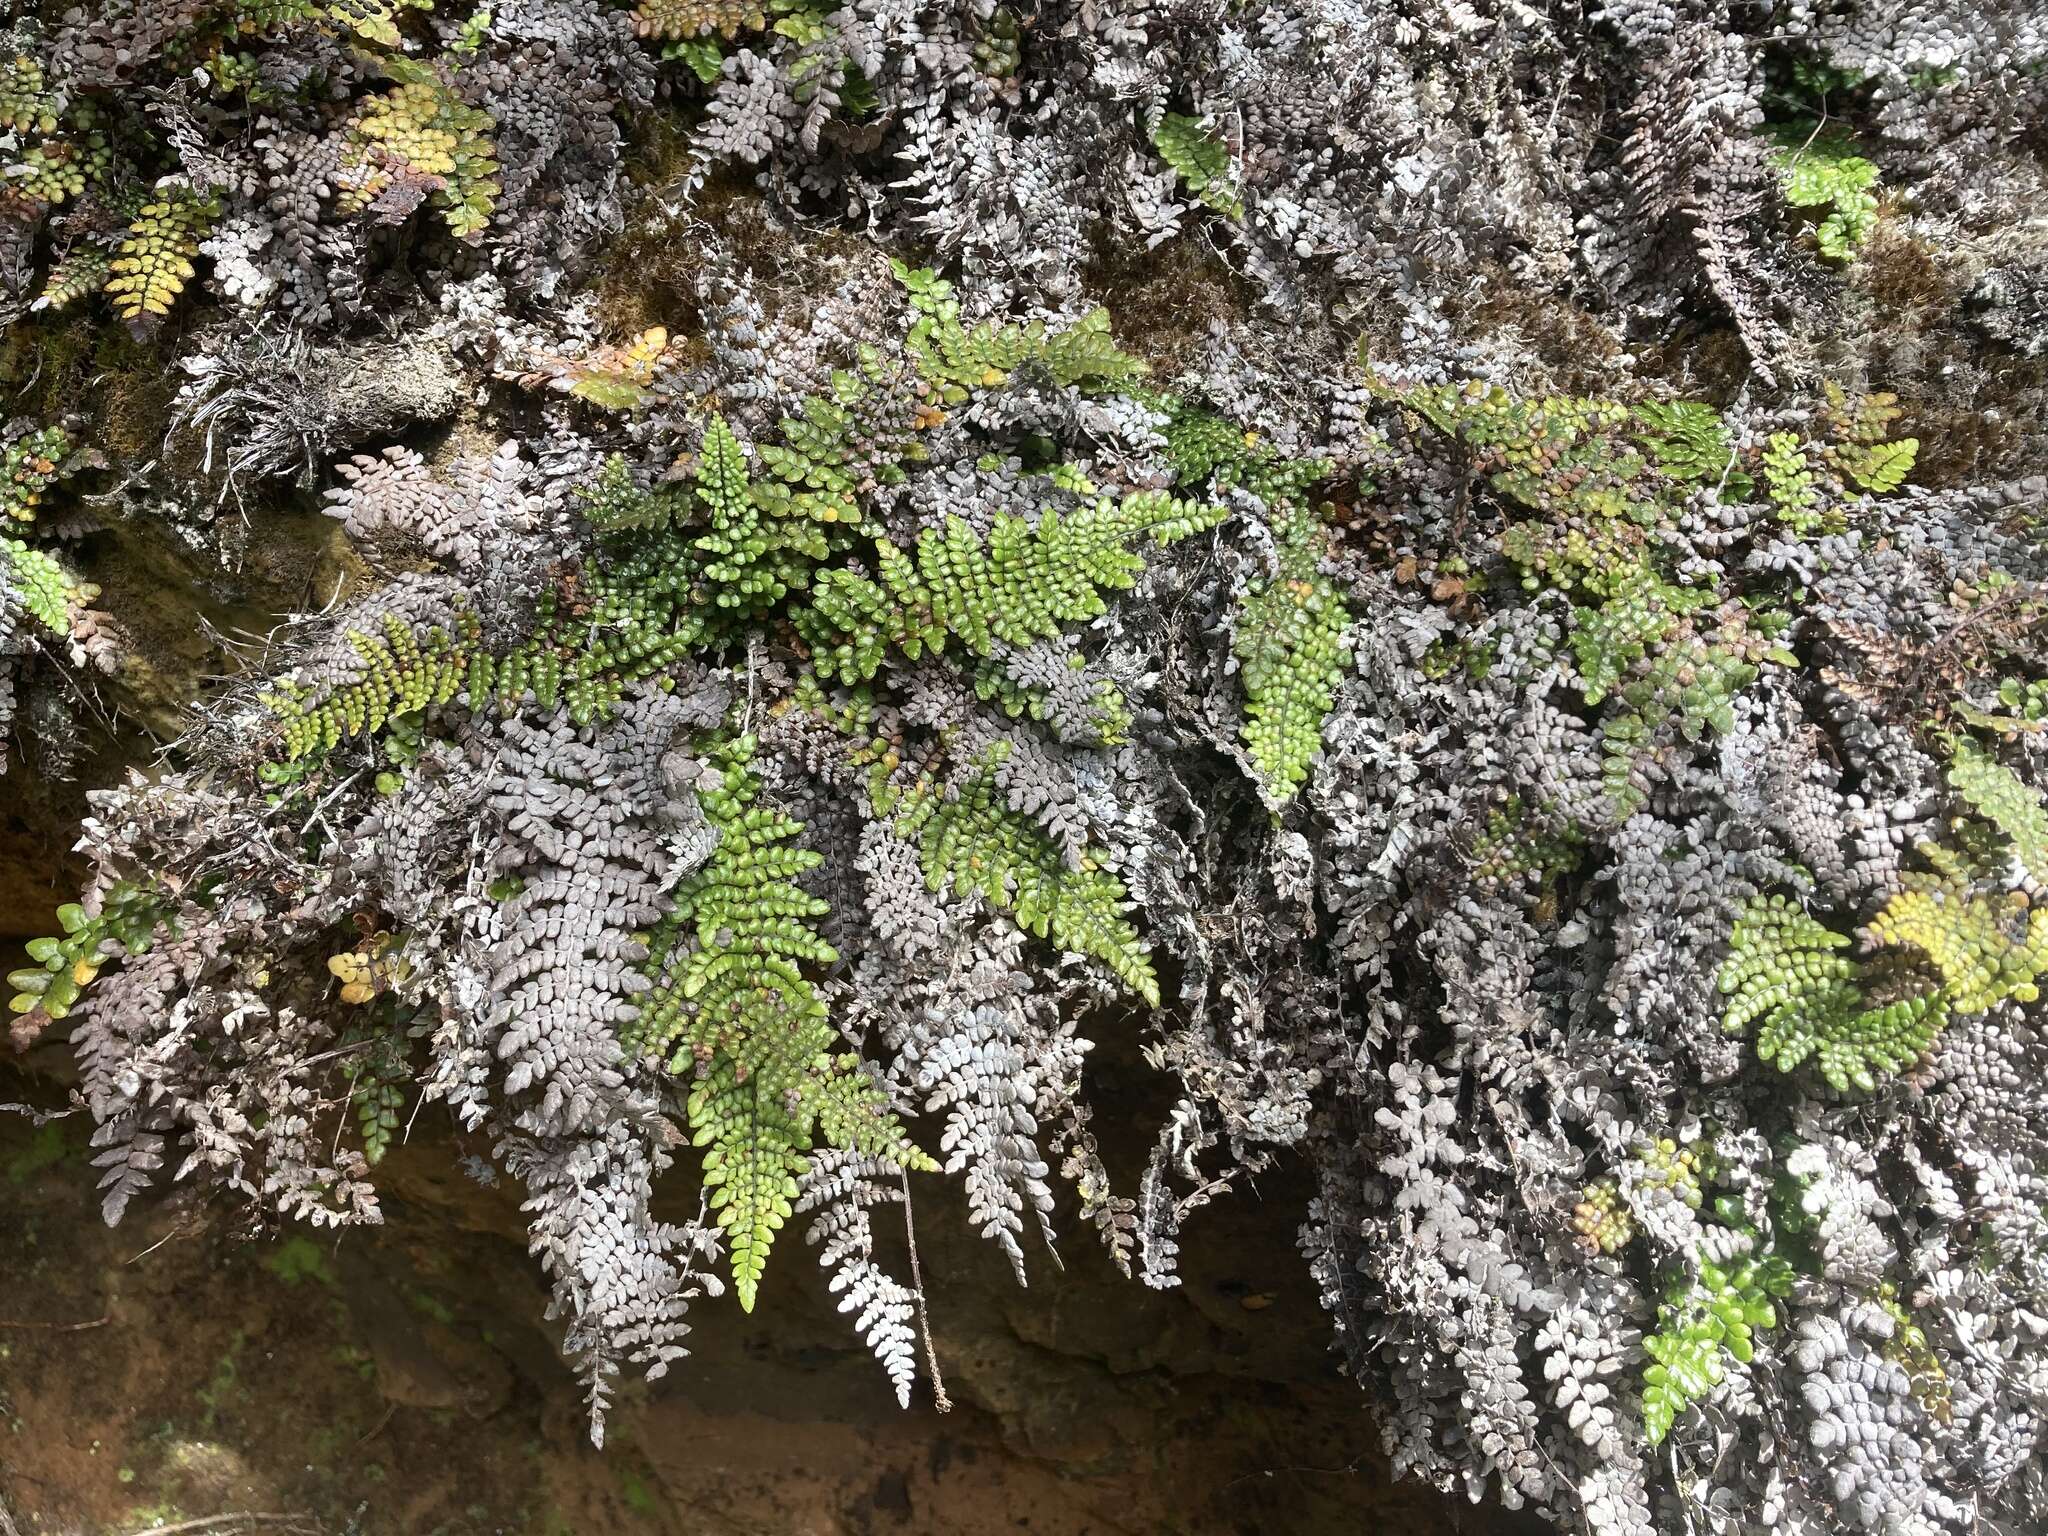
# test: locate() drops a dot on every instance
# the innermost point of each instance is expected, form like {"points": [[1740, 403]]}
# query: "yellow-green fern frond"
{"points": [[682, 20], [1288, 637], [732, 1007], [423, 129], [154, 262]]}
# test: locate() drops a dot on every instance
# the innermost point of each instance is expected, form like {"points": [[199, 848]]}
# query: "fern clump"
{"points": [[43, 588], [1978, 947]]}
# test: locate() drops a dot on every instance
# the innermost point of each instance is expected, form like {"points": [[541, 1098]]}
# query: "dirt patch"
{"points": [[401, 1380]]}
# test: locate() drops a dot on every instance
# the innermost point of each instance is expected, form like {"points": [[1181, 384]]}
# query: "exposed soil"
{"points": [[402, 1380]]}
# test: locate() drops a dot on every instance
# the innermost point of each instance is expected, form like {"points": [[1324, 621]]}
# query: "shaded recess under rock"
{"points": [[394, 1381]]}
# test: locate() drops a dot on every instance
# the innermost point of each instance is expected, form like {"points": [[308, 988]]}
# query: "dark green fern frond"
{"points": [[1689, 442]]}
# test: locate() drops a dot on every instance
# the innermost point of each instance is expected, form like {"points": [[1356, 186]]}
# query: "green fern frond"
{"points": [[404, 674], [956, 359], [79, 272], [1109, 723], [66, 963], [1994, 792], [1790, 482], [1288, 637], [1987, 949], [679, 20], [154, 261], [1880, 468], [1788, 972], [754, 559], [1818, 169], [1201, 161], [1701, 1323], [1686, 438], [40, 584], [731, 1005], [754, 1156], [615, 504], [971, 841], [430, 131], [28, 102], [1025, 583]]}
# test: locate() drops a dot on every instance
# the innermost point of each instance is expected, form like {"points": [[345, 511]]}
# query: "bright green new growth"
{"points": [[753, 559], [1025, 583], [1998, 795], [40, 584], [955, 360], [1818, 169], [1701, 1322], [68, 962], [1289, 642], [1790, 483], [972, 842], [1789, 972], [1201, 162], [1986, 947], [732, 1006]]}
